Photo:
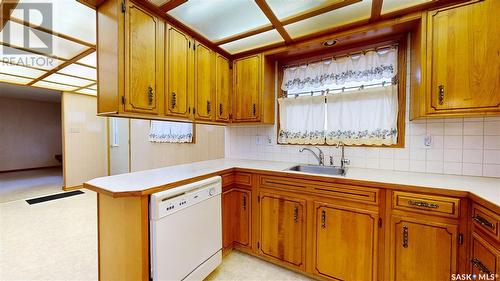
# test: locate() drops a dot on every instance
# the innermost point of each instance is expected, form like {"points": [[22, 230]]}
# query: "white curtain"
{"points": [[171, 132], [372, 65], [366, 116], [302, 120]]}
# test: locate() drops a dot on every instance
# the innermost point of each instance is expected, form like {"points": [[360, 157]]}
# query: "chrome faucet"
{"points": [[320, 157], [343, 161]]}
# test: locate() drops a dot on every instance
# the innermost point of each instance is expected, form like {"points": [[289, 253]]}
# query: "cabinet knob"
{"points": [[244, 202], [296, 214], [209, 107], [323, 219], [220, 108], [151, 95], [254, 108], [173, 100], [441, 94], [405, 236]]}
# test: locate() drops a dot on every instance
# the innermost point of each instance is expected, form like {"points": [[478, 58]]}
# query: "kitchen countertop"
{"points": [[138, 182]]}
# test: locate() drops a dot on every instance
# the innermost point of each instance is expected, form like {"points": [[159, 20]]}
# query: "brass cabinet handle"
{"points": [[244, 203], [189, 109], [220, 108], [254, 108], [479, 265], [483, 221], [209, 107], [423, 204], [296, 214], [323, 219], [151, 95], [441, 94], [173, 100], [405, 236]]}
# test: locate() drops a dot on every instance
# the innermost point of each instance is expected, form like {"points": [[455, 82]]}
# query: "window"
{"points": [[171, 132], [352, 99]]}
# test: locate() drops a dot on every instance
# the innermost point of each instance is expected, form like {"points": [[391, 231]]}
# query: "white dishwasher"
{"points": [[186, 231]]}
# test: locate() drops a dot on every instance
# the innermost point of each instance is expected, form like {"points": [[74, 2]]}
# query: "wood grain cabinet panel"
{"points": [[422, 250], [426, 204], [484, 259], [283, 228], [203, 83], [345, 244], [236, 217], [247, 87], [222, 89], [178, 97]]}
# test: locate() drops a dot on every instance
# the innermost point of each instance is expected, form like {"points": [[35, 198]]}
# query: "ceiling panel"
{"points": [[344, 15], [286, 8], [69, 17], [19, 57], [87, 92], [158, 2], [255, 41], [13, 79], [64, 79], [20, 70], [90, 60], [54, 86], [217, 19], [93, 87], [394, 5], [60, 47], [80, 71]]}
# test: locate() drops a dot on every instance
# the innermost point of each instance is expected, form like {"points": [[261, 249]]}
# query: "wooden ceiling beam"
{"points": [[244, 34], [6, 8], [63, 65], [376, 10], [170, 5], [274, 20]]}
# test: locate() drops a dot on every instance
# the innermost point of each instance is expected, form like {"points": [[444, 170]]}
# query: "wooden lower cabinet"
{"points": [[484, 257], [236, 215], [345, 243], [422, 249], [282, 228]]}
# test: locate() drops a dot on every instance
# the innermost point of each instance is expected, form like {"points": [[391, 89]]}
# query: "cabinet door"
{"points": [[485, 259], [222, 88], [143, 52], [203, 74], [464, 47], [241, 215], [179, 73], [346, 243], [282, 228], [227, 229], [422, 250], [247, 87]]}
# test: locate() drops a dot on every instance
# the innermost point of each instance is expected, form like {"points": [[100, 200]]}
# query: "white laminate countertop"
{"points": [[486, 188]]}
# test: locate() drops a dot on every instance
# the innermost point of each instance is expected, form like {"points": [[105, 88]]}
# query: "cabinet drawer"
{"points": [[486, 220], [243, 178], [426, 204], [227, 179], [484, 259]]}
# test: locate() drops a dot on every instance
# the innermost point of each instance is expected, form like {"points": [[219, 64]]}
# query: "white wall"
{"points": [[119, 152], [462, 146], [30, 133], [147, 155], [85, 140]]}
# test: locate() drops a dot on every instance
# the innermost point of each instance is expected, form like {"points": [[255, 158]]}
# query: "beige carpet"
{"points": [[29, 184]]}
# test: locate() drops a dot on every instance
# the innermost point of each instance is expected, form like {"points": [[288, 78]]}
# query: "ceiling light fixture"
{"points": [[330, 42]]}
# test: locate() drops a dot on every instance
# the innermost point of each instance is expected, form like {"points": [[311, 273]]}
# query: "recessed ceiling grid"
{"points": [[237, 26], [67, 63]]}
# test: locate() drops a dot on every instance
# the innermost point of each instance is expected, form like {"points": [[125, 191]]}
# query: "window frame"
{"points": [[400, 40]]}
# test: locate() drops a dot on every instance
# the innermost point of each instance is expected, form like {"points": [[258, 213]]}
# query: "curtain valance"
{"points": [[171, 132], [364, 67]]}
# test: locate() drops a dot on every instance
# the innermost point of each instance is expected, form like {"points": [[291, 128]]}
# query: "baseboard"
{"points": [[30, 169], [72, 187]]}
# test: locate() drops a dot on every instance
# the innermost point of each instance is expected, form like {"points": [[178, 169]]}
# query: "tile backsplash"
{"points": [[460, 146]]}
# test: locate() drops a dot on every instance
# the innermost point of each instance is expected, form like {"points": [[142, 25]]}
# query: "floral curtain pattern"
{"points": [[366, 67], [171, 132], [366, 116], [302, 120]]}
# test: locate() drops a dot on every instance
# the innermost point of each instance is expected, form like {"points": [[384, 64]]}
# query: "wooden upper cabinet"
{"points": [[422, 250], [463, 61], [222, 89], [346, 243], [203, 83], [283, 228], [247, 89], [179, 74]]}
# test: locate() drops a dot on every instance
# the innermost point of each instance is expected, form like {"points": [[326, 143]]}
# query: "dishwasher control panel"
{"points": [[173, 200]]}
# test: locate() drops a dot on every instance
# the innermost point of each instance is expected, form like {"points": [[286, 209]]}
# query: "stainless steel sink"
{"points": [[316, 169]]}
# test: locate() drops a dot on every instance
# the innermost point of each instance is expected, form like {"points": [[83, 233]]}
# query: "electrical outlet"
{"points": [[428, 141], [269, 140]]}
